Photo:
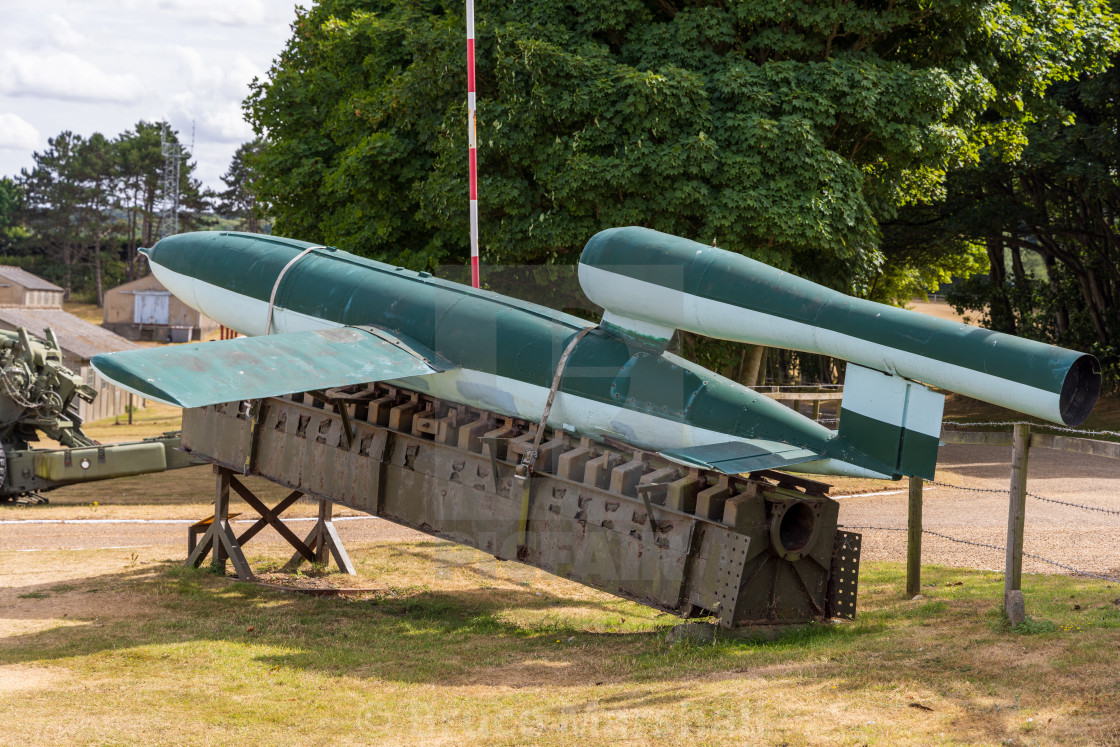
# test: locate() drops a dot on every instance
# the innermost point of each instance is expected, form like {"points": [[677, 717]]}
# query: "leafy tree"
{"points": [[787, 130], [87, 202], [54, 197], [99, 174], [140, 164], [239, 200], [10, 198], [1045, 220]]}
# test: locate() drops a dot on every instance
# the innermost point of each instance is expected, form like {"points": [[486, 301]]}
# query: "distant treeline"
{"points": [[78, 216]]}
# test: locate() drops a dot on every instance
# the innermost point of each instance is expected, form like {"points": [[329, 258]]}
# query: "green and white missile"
{"points": [[651, 284], [324, 318]]}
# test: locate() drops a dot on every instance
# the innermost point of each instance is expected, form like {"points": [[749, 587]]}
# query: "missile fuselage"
{"points": [[654, 283], [505, 351], [373, 321]]}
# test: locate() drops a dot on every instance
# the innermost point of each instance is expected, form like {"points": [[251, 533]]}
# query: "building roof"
{"points": [[75, 336], [144, 280], [22, 277]]}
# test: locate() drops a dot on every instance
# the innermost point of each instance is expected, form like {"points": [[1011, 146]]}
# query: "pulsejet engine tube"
{"points": [[651, 283]]}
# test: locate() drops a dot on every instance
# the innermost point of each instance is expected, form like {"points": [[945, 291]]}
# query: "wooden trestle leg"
{"points": [[220, 538], [323, 542]]}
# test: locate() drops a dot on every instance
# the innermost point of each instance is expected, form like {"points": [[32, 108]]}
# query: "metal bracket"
{"points": [[525, 475], [644, 490], [255, 415], [378, 460], [347, 428], [729, 579], [493, 442], [341, 408], [843, 579]]}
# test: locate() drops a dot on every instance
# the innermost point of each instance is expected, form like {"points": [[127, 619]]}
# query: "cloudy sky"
{"points": [[103, 65]]}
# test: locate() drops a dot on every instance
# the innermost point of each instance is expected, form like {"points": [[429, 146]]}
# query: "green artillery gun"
{"points": [[38, 397]]}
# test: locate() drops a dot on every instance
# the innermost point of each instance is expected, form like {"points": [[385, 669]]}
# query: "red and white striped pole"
{"points": [[473, 142]]}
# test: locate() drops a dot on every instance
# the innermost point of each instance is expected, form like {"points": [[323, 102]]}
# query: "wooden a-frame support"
{"points": [[320, 545]]}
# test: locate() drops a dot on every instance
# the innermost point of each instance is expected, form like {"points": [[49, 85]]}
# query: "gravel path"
{"points": [[84, 536], [1086, 540]]}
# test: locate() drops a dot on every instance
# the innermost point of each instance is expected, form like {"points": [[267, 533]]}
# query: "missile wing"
{"points": [[255, 367], [484, 350]]}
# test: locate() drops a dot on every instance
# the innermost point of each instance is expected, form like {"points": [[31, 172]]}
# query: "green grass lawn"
{"points": [[453, 647]]}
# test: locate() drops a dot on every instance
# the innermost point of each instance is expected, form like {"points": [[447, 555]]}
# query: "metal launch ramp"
{"points": [[757, 549]]}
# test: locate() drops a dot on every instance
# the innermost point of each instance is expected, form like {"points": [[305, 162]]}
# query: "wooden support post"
{"points": [[130, 408], [1016, 516], [220, 537], [323, 542], [914, 539], [816, 411]]}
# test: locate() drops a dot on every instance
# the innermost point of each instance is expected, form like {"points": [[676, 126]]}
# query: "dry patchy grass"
{"points": [[152, 420], [454, 647], [89, 312], [182, 494]]}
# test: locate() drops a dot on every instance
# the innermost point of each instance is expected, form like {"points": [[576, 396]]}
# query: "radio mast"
{"points": [[173, 154]]}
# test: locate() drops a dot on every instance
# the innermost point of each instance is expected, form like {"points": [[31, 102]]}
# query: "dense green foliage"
{"points": [[239, 199], [1047, 220], [9, 212], [788, 130]]}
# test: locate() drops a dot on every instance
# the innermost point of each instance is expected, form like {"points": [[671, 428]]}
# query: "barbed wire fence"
{"points": [[1077, 440], [994, 433], [960, 424], [1000, 548]]}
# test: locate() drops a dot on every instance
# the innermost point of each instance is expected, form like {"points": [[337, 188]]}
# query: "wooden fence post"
{"points": [[914, 539], [1016, 515]]}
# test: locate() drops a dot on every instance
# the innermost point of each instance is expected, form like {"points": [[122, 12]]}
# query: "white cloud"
{"points": [[64, 76], [212, 95], [219, 121], [102, 66], [230, 80], [16, 133], [223, 12], [61, 34]]}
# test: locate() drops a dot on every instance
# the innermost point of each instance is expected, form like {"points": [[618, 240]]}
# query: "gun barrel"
{"points": [[651, 283]]}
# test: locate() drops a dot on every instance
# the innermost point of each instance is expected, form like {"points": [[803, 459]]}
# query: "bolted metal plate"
{"points": [[844, 578], [732, 561]]}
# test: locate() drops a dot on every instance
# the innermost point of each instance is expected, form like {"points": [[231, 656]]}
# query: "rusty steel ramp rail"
{"points": [[760, 549]]}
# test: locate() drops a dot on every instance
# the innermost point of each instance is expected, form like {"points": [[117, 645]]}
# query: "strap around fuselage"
{"points": [[276, 285]]}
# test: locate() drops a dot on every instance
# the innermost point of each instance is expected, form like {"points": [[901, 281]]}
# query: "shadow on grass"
{"points": [[508, 638], [493, 637], [499, 635]]}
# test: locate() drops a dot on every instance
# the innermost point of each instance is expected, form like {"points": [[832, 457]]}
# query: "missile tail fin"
{"points": [[892, 419]]}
